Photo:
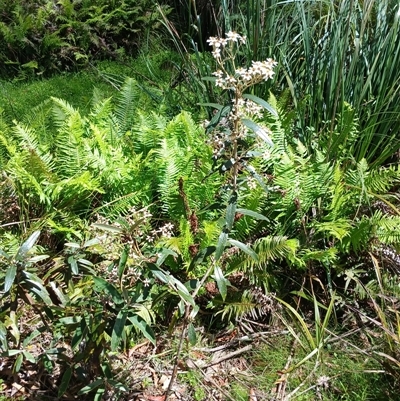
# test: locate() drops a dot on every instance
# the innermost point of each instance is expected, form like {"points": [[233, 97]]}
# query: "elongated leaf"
{"points": [[192, 334], [262, 103], [122, 262], [221, 281], [146, 330], [244, 248], [118, 330], [104, 286], [164, 254], [91, 242], [221, 245], [213, 105], [27, 246], [29, 357], [18, 363], [5, 255], [201, 256], [258, 130], [91, 386], [10, 277], [74, 265], [231, 211], [108, 228], [251, 213], [64, 382]]}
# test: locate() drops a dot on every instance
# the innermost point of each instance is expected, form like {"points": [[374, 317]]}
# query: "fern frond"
{"points": [[127, 104]]}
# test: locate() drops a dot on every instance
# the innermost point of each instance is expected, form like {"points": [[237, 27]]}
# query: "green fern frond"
{"points": [[127, 104]]}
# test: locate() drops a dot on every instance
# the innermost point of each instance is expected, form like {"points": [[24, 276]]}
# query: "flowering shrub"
{"points": [[231, 124]]}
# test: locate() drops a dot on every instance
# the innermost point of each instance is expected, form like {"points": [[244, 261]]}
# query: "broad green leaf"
{"points": [[201, 256], [146, 330], [122, 262], [244, 248], [74, 264], [91, 242], [10, 277], [160, 275], [109, 228], [33, 335], [231, 211], [78, 335], [262, 103], [221, 281], [29, 357], [192, 334], [221, 245], [104, 286], [91, 386], [118, 330], [64, 382], [213, 105], [27, 246], [74, 245], [164, 254], [18, 363], [251, 213], [37, 258], [261, 132], [119, 386]]}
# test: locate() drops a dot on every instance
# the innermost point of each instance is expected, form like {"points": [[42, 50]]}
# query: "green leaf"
{"points": [[118, 330], [27, 246], [119, 386], [262, 103], [213, 105], [251, 213], [231, 211], [122, 262], [5, 255], [221, 245], [29, 357], [104, 286], [10, 277], [64, 382], [91, 242], [192, 334], [146, 330], [165, 252], [244, 248], [106, 227], [91, 386], [261, 132], [18, 363], [201, 256], [74, 264], [221, 282]]}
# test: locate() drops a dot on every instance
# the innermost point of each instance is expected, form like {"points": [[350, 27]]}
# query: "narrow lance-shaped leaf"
{"points": [[27, 246], [261, 132], [118, 330], [262, 103], [221, 281], [10, 277], [243, 247], [122, 263]]}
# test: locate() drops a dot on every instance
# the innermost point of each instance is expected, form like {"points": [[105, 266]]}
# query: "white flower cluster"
{"points": [[220, 43], [245, 108], [245, 77]]}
